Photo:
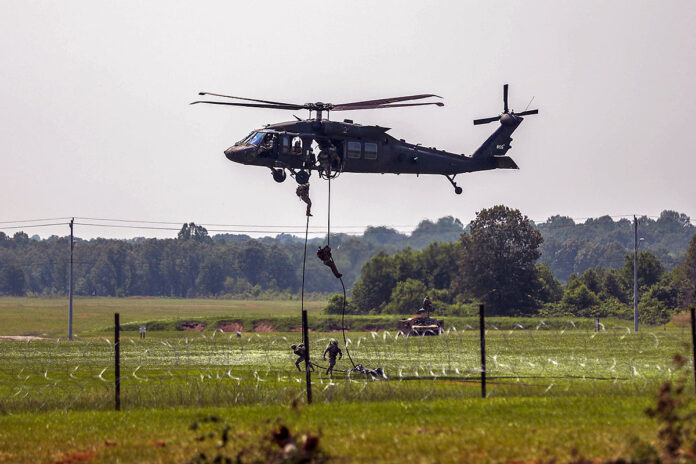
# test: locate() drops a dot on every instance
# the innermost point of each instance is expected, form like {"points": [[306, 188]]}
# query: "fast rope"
{"points": [[343, 309]]}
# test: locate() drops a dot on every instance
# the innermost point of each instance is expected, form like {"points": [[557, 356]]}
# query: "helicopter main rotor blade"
{"points": [[248, 99], [377, 107], [384, 101], [525, 113], [505, 98], [485, 120], [252, 105]]}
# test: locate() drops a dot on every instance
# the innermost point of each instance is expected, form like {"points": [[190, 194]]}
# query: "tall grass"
{"points": [[219, 369]]}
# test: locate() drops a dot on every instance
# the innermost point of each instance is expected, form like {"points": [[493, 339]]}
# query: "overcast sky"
{"points": [[95, 121]]}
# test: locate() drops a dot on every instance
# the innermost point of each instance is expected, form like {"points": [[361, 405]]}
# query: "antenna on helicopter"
{"points": [[506, 111]]}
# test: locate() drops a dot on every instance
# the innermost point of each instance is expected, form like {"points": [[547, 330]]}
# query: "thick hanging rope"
{"points": [[343, 309]]}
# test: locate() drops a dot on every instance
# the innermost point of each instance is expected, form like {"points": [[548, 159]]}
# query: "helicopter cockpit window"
{"points": [[370, 151], [353, 149], [256, 139], [246, 139]]}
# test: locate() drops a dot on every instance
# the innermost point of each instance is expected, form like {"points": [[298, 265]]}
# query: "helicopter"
{"points": [[344, 146]]}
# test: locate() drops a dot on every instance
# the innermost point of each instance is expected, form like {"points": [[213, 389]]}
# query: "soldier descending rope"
{"points": [[301, 353], [303, 192], [333, 351]]}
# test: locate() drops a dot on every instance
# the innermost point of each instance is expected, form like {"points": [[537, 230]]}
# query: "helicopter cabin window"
{"points": [[297, 146], [370, 150], [285, 144], [256, 139], [353, 149]]}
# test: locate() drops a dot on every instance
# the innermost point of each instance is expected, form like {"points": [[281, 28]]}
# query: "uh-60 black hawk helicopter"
{"points": [[348, 147]]}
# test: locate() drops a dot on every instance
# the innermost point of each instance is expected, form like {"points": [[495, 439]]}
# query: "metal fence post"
{"points": [[482, 329], [117, 361]]}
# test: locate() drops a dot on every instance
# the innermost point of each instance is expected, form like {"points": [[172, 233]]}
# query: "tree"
{"points": [[376, 282], [685, 276], [650, 269], [496, 261], [407, 297], [335, 305], [191, 231]]}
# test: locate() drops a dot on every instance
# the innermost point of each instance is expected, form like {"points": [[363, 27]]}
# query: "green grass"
{"points": [[49, 316], [552, 387], [467, 430]]}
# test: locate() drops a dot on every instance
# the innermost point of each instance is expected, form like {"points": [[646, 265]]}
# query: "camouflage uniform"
{"points": [[427, 305], [303, 192], [324, 160], [301, 355], [325, 255], [333, 350]]}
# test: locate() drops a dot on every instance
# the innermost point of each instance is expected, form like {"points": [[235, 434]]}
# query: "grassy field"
{"points": [[49, 316], [553, 387]]}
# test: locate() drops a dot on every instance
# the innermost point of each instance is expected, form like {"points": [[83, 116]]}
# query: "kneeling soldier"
{"points": [[301, 355]]}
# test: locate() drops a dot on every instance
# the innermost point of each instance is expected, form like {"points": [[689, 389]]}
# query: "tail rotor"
{"points": [[506, 111]]}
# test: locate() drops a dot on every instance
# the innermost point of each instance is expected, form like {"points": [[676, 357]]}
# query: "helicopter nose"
{"points": [[236, 154]]}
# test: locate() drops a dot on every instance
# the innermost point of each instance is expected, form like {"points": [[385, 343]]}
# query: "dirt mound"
{"points": [[682, 319], [192, 326], [231, 327], [264, 327]]}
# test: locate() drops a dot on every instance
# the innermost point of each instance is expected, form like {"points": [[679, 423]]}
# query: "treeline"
{"points": [[194, 264], [496, 262]]}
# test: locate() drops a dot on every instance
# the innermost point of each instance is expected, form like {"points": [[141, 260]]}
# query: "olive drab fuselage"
{"points": [[363, 149], [332, 147]]}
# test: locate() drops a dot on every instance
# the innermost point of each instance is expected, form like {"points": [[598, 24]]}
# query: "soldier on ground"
{"points": [[303, 192], [301, 353], [333, 350]]}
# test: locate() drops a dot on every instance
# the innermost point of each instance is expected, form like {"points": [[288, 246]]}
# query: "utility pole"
{"points": [[70, 290], [635, 274]]}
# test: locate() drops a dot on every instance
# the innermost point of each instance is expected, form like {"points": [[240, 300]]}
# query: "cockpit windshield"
{"points": [[256, 139]]}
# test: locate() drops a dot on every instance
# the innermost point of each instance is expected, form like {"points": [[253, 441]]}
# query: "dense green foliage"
{"points": [[494, 263], [195, 264]]}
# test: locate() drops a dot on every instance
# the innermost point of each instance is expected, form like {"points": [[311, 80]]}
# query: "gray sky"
{"points": [[95, 121]]}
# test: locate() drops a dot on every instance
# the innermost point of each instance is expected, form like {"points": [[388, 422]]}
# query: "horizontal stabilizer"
{"points": [[504, 162]]}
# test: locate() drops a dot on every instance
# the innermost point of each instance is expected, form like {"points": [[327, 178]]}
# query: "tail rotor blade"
{"points": [[505, 98], [485, 120], [525, 113]]}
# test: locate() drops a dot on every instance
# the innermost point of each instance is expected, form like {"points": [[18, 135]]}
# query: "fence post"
{"points": [[482, 330], [117, 361], [308, 364], [693, 338]]}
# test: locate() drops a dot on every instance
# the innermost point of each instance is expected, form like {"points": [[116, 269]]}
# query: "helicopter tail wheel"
{"points": [[279, 175], [302, 177], [457, 189]]}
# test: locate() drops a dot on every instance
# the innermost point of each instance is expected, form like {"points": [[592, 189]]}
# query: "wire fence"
{"points": [[221, 369]]}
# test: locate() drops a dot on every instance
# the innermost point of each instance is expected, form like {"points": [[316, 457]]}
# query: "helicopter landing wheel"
{"points": [[279, 175], [457, 189], [302, 177]]}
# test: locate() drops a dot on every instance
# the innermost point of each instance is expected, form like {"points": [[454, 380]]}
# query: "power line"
{"points": [[26, 226], [35, 220]]}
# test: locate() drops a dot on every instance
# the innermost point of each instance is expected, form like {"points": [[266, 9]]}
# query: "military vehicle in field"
{"points": [[421, 323]]}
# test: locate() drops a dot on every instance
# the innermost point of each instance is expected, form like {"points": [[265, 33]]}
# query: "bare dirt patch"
{"points": [[264, 327], [231, 327], [299, 329]]}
